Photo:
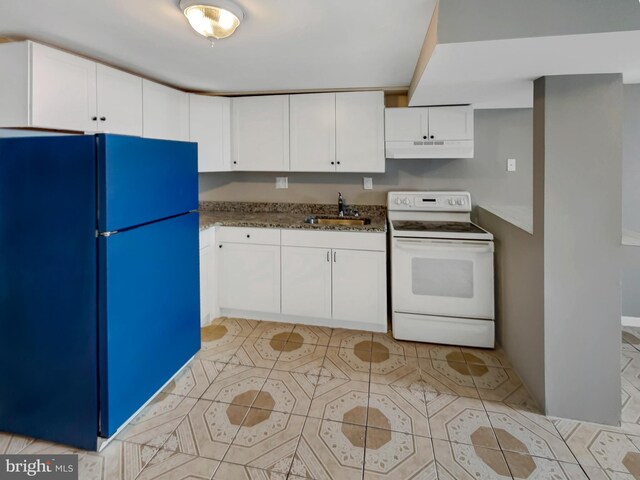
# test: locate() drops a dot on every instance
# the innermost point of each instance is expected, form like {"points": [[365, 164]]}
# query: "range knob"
{"points": [[460, 201], [398, 200], [452, 201], [406, 201]]}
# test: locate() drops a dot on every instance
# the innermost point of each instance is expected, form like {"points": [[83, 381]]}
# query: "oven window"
{"points": [[441, 277]]}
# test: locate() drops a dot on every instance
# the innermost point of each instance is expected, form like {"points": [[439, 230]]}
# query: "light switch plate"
{"points": [[367, 183], [511, 165], [282, 182]]}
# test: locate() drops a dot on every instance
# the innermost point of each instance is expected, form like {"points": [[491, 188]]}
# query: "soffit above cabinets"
{"points": [[489, 56], [281, 45]]}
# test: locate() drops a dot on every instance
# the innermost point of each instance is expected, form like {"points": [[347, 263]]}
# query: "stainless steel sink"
{"points": [[336, 220]]}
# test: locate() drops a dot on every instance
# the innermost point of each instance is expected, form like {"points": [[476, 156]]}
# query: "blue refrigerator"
{"points": [[99, 280]]}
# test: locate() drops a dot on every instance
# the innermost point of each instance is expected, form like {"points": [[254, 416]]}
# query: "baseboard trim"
{"points": [[631, 321], [318, 322]]}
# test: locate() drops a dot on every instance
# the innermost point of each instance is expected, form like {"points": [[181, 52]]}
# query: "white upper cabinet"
{"points": [[165, 112], [260, 133], [429, 132], [451, 123], [63, 90], [209, 126], [313, 132], [119, 101], [406, 124], [429, 123], [360, 132], [47, 88]]}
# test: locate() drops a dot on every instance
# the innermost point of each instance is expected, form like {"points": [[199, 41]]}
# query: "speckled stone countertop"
{"points": [[285, 215]]}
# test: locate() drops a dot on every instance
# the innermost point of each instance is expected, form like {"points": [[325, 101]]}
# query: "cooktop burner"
{"points": [[445, 227]]}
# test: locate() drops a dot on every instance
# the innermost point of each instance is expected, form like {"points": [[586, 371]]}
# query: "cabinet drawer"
{"points": [[259, 236], [333, 239]]}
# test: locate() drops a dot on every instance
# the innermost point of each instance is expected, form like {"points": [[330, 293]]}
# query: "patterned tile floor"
{"points": [[265, 400]]}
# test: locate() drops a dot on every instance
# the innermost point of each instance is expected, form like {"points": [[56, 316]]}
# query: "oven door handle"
{"points": [[461, 245]]}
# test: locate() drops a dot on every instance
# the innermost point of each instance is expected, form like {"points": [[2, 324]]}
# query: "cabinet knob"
{"points": [[219, 246], [424, 137], [431, 136], [248, 236], [338, 163], [333, 163], [102, 119], [94, 118], [234, 162]]}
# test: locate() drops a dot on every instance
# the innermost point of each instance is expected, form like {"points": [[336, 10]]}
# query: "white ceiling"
{"points": [[500, 73], [280, 45]]}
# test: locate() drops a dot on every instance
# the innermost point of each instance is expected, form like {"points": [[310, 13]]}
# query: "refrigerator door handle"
{"points": [[107, 234]]}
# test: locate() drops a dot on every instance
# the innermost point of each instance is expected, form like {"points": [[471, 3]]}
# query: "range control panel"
{"points": [[429, 201]]}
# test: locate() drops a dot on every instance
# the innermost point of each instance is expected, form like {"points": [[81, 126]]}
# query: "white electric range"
{"points": [[442, 282]]}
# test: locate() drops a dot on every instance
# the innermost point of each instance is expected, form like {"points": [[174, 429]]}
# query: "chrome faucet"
{"points": [[340, 205]]}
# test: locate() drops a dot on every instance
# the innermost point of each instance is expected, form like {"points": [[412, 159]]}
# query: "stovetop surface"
{"points": [[430, 226]]}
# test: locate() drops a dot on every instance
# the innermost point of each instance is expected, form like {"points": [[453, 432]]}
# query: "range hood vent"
{"points": [[429, 149]]}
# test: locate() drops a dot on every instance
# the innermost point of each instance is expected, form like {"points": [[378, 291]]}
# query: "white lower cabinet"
{"points": [[306, 281], [249, 277], [359, 286], [209, 309], [343, 283], [330, 278]]}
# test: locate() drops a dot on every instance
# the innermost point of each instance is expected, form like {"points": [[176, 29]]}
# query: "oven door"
{"points": [[451, 278]]}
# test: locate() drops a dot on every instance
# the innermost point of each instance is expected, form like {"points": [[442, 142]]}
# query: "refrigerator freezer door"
{"points": [[48, 328], [141, 180], [149, 312]]}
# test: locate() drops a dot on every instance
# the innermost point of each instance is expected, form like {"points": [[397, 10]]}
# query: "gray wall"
{"points": [[631, 159], [519, 300], [499, 134], [631, 196], [580, 159], [471, 20]]}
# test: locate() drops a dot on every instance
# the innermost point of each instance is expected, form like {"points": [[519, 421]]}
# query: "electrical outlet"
{"points": [[511, 165], [282, 182], [367, 183]]}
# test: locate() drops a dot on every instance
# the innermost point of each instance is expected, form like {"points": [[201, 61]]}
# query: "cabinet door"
{"points": [[165, 112], [406, 124], [359, 286], [119, 102], [63, 90], [209, 126], [313, 132], [360, 132], [206, 264], [249, 277], [306, 281], [451, 123], [260, 133]]}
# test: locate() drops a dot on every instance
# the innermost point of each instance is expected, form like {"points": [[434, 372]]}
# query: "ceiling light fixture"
{"points": [[213, 19]]}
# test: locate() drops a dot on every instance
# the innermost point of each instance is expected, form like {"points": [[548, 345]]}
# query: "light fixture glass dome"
{"points": [[212, 21]]}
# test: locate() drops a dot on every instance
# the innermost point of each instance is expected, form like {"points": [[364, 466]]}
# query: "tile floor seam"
{"points": [[553, 455]]}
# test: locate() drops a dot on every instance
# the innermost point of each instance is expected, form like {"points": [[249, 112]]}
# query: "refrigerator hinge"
{"points": [[108, 234]]}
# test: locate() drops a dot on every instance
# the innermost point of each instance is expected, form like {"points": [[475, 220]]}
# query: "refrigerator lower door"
{"points": [[48, 285], [142, 180], [149, 318]]}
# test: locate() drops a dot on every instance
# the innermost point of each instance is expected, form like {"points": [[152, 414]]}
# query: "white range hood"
{"points": [[430, 149], [429, 132]]}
